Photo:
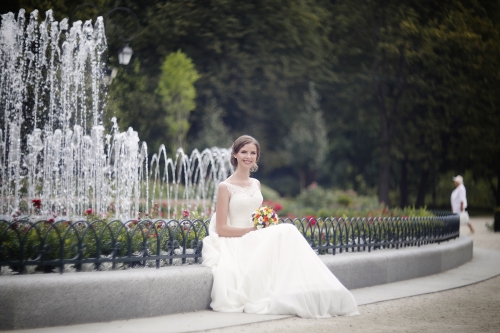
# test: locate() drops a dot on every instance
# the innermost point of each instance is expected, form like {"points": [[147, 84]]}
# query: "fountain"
{"points": [[56, 157]]}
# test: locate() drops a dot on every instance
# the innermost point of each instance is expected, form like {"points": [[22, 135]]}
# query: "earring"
{"points": [[254, 168]]}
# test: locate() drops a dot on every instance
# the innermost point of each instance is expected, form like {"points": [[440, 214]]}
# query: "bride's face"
{"points": [[247, 156]]}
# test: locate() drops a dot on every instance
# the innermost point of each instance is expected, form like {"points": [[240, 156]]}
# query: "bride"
{"points": [[266, 271]]}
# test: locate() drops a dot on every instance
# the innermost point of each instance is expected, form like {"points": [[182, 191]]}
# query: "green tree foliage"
{"points": [[71, 9], [177, 91], [306, 142], [457, 65], [9, 6], [415, 60], [477, 146], [214, 132], [132, 100], [409, 88], [255, 58]]}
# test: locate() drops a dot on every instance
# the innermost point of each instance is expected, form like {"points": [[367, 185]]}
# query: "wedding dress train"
{"points": [[271, 270]]}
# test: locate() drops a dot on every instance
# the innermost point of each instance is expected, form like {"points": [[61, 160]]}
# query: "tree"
{"points": [[9, 6], [478, 148], [417, 60], [375, 54], [255, 58], [176, 88], [214, 132], [455, 91], [132, 100], [64, 8], [307, 141]]}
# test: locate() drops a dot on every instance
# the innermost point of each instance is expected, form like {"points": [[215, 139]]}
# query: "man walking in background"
{"points": [[459, 201]]}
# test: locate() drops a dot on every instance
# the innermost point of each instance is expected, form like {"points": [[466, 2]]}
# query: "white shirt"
{"points": [[457, 196]]}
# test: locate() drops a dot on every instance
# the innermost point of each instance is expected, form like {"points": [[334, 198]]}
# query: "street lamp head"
{"points": [[125, 55]]}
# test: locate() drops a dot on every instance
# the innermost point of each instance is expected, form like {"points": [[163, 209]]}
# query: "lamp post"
{"points": [[125, 55], [126, 51]]}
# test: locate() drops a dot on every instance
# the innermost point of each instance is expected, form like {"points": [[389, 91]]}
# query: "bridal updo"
{"points": [[238, 144]]}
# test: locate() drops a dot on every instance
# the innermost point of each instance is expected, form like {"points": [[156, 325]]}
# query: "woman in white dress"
{"points": [[266, 271]]}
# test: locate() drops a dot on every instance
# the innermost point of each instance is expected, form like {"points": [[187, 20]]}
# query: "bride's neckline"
{"points": [[252, 182]]}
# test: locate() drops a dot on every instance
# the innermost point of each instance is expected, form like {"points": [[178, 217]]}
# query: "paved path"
{"points": [[464, 299]]}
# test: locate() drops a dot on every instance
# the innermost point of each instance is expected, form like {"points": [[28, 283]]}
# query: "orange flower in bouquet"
{"points": [[264, 217]]}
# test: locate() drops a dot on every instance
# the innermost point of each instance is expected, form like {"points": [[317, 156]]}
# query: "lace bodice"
{"points": [[242, 203]]}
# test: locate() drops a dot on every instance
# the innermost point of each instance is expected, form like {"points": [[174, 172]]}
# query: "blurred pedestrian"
{"points": [[459, 202]]}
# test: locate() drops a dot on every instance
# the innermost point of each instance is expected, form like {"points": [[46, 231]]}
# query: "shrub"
{"points": [[316, 201], [268, 193], [344, 200]]}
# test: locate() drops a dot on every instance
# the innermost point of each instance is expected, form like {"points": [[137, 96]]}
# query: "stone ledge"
{"points": [[32, 301], [363, 269]]}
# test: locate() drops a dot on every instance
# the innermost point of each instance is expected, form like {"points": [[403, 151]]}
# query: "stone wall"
{"points": [[44, 300]]}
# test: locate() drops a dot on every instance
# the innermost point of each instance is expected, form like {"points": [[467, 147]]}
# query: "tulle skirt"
{"points": [[273, 271]]}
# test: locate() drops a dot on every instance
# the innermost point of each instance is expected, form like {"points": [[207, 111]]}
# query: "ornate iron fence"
{"points": [[48, 246], [441, 212]]}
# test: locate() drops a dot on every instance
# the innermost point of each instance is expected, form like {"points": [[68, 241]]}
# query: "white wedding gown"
{"points": [[271, 270]]}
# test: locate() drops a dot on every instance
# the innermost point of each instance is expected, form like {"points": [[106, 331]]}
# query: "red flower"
{"points": [[278, 207], [51, 220], [37, 203], [88, 212], [311, 219], [185, 213]]}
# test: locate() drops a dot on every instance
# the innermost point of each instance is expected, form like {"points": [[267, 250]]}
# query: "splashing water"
{"points": [[53, 146]]}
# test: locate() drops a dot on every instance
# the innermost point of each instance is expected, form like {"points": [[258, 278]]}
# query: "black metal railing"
{"points": [[47, 246], [441, 212]]}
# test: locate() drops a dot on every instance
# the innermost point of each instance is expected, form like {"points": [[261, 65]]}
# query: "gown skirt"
{"points": [[273, 271]]}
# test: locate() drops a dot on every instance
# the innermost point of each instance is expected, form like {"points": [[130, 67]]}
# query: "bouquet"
{"points": [[264, 217]]}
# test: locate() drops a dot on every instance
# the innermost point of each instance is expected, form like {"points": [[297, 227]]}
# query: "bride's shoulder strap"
{"points": [[230, 187]]}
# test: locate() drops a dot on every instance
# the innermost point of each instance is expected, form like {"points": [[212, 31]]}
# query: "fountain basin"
{"points": [[32, 301]]}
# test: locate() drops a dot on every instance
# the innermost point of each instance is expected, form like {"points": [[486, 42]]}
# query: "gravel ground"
{"points": [[474, 308]]}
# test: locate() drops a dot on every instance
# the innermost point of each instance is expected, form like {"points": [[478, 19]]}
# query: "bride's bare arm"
{"points": [[223, 230]]}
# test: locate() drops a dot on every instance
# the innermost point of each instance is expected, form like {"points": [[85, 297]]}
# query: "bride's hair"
{"points": [[238, 144]]}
